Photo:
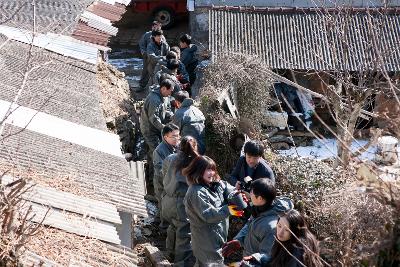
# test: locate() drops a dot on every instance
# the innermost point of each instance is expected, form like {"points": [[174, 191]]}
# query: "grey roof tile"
{"points": [[104, 176], [308, 40]]}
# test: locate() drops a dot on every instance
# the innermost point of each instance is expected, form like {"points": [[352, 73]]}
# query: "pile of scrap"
{"points": [[232, 99]]}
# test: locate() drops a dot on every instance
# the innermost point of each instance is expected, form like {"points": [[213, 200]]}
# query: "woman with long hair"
{"points": [[294, 245], [173, 209], [207, 208]]}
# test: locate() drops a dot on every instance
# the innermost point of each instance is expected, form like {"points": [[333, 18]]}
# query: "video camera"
{"points": [[245, 185]]}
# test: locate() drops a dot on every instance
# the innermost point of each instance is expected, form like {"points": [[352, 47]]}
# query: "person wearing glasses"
{"points": [[170, 142]]}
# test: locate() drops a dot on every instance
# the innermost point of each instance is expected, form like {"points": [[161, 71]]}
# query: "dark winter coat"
{"points": [[263, 170], [258, 235]]}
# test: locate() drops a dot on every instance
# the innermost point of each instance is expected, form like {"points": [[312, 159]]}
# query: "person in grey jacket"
{"points": [[157, 50], [154, 116], [188, 56], [206, 204], [251, 165], [189, 119], [143, 42], [258, 235], [173, 209], [170, 140]]}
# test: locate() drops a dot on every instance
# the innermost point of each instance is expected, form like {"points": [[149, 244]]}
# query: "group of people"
{"points": [[194, 202]]}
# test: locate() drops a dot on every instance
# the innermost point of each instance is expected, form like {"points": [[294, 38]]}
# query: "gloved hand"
{"points": [[248, 258], [245, 197], [230, 247], [233, 211], [179, 77]]}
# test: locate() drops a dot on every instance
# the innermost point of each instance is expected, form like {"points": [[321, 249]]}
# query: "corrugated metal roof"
{"points": [[86, 33], [69, 202], [75, 224], [308, 41], [63, 47], [124, 2], [53, 126], [99, 23], [102, 176], [111, 12]]}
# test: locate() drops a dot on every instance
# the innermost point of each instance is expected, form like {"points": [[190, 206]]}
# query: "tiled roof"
{"points": [[51, 15], [308, 40], [65, 88], [102, 175], [95, 25]]}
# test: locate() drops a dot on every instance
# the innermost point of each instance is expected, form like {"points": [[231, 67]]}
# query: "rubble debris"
{"points": [[387, 150], [156, 257], [118, 107]]}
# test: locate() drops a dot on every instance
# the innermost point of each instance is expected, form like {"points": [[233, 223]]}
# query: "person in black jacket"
{"points": [[293, 236], [188, 55], [251, 166]]}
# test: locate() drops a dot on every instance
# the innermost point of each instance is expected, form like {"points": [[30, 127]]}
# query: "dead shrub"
{"points": [[244, 77], [353, 226]]}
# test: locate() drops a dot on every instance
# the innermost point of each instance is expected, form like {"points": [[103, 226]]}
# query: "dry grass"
{"points": [[69, 249]]}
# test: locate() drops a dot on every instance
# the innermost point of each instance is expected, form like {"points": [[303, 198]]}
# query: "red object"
{"points": [[164, 11], [178, 6], [230, 247]]}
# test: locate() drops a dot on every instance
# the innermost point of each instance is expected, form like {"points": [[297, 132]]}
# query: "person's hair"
{"points": [[300, 237], [167, 83], [254, 148], [195, 171], [187, 152], [172, 64], [171, 55], [186, 38], [165, 76], [155, 22], [156, 33], [176, 49], [264, 187], [181, 95], [168, 128]]}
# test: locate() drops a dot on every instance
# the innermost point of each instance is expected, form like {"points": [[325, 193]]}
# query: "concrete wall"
{"points": [[198, 25], [295, 3]]}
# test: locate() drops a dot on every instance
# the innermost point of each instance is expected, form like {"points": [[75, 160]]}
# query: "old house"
{"points": [[307, 42], [54, 133]]}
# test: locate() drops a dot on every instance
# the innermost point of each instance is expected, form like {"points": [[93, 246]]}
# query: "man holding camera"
{"points": [[251, 167]]}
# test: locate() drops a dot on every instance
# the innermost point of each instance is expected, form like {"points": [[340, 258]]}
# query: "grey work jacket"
{"points": [[208, 212], [191, 120], [154, 113]]}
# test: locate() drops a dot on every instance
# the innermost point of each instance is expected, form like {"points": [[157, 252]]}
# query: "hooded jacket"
{"points": [[258, 235], [208, 212], [190, 121]]}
